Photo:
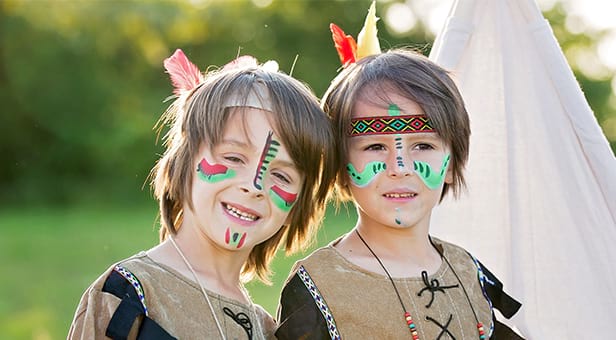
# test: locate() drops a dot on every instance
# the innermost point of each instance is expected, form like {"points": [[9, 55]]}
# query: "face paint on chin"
{"points": [[431, 179], [213, 173], [282, 199], [367, 175], [234, 238]]}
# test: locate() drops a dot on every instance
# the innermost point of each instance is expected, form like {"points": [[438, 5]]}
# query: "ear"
{"points": [[449, 176]]}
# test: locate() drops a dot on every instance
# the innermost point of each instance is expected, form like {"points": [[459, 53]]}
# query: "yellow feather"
{"points": [[367, 41]]}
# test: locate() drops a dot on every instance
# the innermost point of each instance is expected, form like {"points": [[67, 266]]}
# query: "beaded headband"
{"points": [[384, 125], [186, 76]]}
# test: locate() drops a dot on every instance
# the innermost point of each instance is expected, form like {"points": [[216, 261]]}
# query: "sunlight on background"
{"points": [[592, 17], [585, 16]]}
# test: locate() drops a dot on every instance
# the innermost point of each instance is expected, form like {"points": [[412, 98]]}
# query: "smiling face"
{"points": [[397, 163], [245, 186]]}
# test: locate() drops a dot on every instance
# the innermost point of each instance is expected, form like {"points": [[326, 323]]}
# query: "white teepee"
{"points": [[540, 211]]}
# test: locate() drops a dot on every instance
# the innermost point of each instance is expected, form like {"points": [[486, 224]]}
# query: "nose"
{"points": [[398, 165], [250, 189]]}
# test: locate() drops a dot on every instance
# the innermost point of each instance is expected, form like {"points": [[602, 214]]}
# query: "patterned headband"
{"points": [[384, 125]]}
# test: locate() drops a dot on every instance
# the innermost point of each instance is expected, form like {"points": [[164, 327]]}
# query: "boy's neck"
{"points": [[405, 252], [396, 242], [218, 269]]}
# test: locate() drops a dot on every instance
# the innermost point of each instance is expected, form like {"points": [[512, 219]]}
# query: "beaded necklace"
{"points": [[407, 315]]}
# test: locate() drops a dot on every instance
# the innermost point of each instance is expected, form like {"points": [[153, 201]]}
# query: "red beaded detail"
{"points": [[481, 332], [411, 324]]}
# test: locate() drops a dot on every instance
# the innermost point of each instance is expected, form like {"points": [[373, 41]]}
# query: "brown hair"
{"points": [[200, 118], [412, 76]]}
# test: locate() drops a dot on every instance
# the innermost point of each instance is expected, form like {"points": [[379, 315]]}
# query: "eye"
{"points": [[374, 147], [233, 159], [423, 146], [282, 177]]}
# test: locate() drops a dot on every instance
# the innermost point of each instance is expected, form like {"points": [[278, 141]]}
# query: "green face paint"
{"points": [[431, 179], [234, 238], [365, 177], [282, 199], [213, 173], [393, 110]]}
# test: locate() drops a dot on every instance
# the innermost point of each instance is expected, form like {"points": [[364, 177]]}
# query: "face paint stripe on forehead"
{"points": [[393, 110], [385, 125], [269, 152]]}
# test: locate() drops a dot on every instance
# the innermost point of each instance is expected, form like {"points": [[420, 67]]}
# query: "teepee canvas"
{"points": [[540, 209]]}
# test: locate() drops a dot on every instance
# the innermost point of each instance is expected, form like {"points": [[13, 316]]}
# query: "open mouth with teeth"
{"points": [[240, 214], [400, 195]]}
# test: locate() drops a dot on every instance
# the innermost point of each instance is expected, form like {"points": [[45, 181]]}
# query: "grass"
{"points": [[49, 256]]}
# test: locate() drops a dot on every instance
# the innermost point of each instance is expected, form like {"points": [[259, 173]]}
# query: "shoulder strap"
{"points": [[124, 285], [303, 313], [497, 298], [507, 305]]}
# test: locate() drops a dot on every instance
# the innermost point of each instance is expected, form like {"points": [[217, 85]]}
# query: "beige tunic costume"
{"points": [[329, 297], [173, 303]]}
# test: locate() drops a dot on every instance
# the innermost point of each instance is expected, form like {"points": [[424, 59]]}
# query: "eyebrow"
{"points": [[235, 142], [285, 163], [243, 144]]}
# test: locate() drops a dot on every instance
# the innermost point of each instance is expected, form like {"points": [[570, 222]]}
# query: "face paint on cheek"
{"points": [[235, 239], [213, 173], [282, 199], [269, 152], [365, 177], [431, 179]]}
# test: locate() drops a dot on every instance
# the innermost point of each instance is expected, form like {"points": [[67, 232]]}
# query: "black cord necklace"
{"points": [[407, 315]]}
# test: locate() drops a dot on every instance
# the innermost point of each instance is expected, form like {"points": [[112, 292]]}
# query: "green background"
{"points": [[81, 87]]}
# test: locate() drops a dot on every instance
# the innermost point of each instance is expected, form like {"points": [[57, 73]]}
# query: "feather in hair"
{"points": [[184, 75], [345, 45], [367, 40]]}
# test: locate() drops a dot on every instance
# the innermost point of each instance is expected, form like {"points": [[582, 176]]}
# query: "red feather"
{"points": [[345, 45], [184, 75]]}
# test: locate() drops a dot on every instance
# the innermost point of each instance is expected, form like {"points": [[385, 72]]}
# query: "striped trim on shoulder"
{"points": [[320, 302], [134, 282], [482, 281]]}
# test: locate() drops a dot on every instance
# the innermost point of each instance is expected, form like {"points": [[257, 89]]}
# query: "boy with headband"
{"points": [[403, 139]]}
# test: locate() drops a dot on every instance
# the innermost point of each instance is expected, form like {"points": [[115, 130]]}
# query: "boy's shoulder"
{"points": [[450, 250], [322, 256]]}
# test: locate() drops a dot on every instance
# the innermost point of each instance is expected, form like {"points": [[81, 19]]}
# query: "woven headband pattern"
{"points": [[389, 125]]}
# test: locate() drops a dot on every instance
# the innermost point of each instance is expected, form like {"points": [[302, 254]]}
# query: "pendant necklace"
{"points": [[407, 315], [207, 298]]}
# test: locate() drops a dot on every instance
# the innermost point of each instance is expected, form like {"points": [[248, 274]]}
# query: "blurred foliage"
{"points": [[82, 82]]}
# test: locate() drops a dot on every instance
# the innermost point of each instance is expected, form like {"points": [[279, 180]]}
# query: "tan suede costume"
{"points": [[364, 305], [173, 302]]}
